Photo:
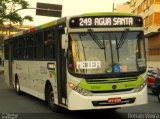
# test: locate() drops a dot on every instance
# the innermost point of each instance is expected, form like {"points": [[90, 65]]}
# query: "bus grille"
{"points": [[113, 91], [102, 81]]}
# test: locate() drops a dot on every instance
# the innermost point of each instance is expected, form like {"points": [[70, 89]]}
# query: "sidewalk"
{"points": [[1, 69]]}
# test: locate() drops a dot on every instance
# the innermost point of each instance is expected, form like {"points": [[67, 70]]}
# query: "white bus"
{"points": [[83, 62]]}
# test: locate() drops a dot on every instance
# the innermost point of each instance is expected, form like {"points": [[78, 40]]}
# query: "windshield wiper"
{"points": [[120, 42], [122, 39], [117, 48], [96, 39]]}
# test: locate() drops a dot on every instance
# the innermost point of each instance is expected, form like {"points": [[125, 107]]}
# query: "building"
{"points": [[7, 30], [123, 8], [150, 11]]}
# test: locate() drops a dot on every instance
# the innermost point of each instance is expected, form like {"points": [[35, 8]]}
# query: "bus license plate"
{"points": [[114, 100]]}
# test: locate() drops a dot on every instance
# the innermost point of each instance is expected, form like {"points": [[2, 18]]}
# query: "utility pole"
{"points": [[113, 8]]}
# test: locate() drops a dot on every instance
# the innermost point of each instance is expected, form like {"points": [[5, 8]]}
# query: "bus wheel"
{"points": [[158, 94], [17, 87], [50, 100]]}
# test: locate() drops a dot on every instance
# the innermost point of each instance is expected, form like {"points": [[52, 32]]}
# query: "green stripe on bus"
{"points": [[52, 23], [107, 86]]}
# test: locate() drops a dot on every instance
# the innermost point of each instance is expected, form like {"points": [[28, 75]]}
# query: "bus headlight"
{"points": [[138, 89], [79, 90]]}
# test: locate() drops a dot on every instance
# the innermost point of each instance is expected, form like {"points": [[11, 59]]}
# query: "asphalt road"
{"points": [[13, 106]]}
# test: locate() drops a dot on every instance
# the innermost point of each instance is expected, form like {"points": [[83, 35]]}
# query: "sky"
{"points": [[70, 7]]}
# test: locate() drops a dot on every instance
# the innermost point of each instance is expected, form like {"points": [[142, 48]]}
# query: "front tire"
{"points": [[17, 87], [158, 95], [50, 100]]}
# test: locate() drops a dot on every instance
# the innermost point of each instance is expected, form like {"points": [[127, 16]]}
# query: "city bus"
{"points": [[83, 62]]}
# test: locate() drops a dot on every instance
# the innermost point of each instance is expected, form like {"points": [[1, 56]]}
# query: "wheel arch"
{"points": [[47, 84], [15, 78]]}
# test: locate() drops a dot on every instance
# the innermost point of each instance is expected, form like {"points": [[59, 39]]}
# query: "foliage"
{"points": [[9, 15], [9, 11]]}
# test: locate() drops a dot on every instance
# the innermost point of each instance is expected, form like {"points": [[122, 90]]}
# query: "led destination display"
{"points": [[105, 22]]}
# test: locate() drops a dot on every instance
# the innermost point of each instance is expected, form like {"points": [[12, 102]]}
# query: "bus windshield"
{"points": [[106, 52]]}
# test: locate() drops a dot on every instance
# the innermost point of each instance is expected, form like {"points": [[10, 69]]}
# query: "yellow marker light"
{"points": [[71, 85], [51, 66]]}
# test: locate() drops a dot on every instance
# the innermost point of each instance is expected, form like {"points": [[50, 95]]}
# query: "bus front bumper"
{"points": [[77, 101]]}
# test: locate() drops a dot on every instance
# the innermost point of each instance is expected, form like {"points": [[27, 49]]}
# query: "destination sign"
{"points": [[105, 22]]}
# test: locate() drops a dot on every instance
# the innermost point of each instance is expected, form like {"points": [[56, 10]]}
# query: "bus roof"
{"points": [[62, 20], [43, 26], [108, 14]]}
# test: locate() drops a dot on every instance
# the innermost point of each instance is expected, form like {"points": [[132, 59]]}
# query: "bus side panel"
{"points": [[22, 73], [33, 76], [39, 74], [14, 71], [54, 85], [6, 71], [29, 77]]}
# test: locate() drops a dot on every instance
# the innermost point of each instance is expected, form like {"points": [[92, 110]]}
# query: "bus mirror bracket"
{"points": [[64, 42]]}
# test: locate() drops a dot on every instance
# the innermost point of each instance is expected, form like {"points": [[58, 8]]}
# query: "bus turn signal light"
{"points": [[71, 85], [79, 90]]}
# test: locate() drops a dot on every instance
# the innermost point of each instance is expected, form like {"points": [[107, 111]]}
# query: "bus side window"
{"points": [[6, 50], [15, 48], [38, 47], [21, 44], [49, 47], [29, 47]]}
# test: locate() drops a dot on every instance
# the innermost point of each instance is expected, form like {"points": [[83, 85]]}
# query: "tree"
{"points": [[9, 13]]}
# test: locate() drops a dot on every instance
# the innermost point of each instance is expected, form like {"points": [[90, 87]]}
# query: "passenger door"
{"points": [[61, 68]]}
